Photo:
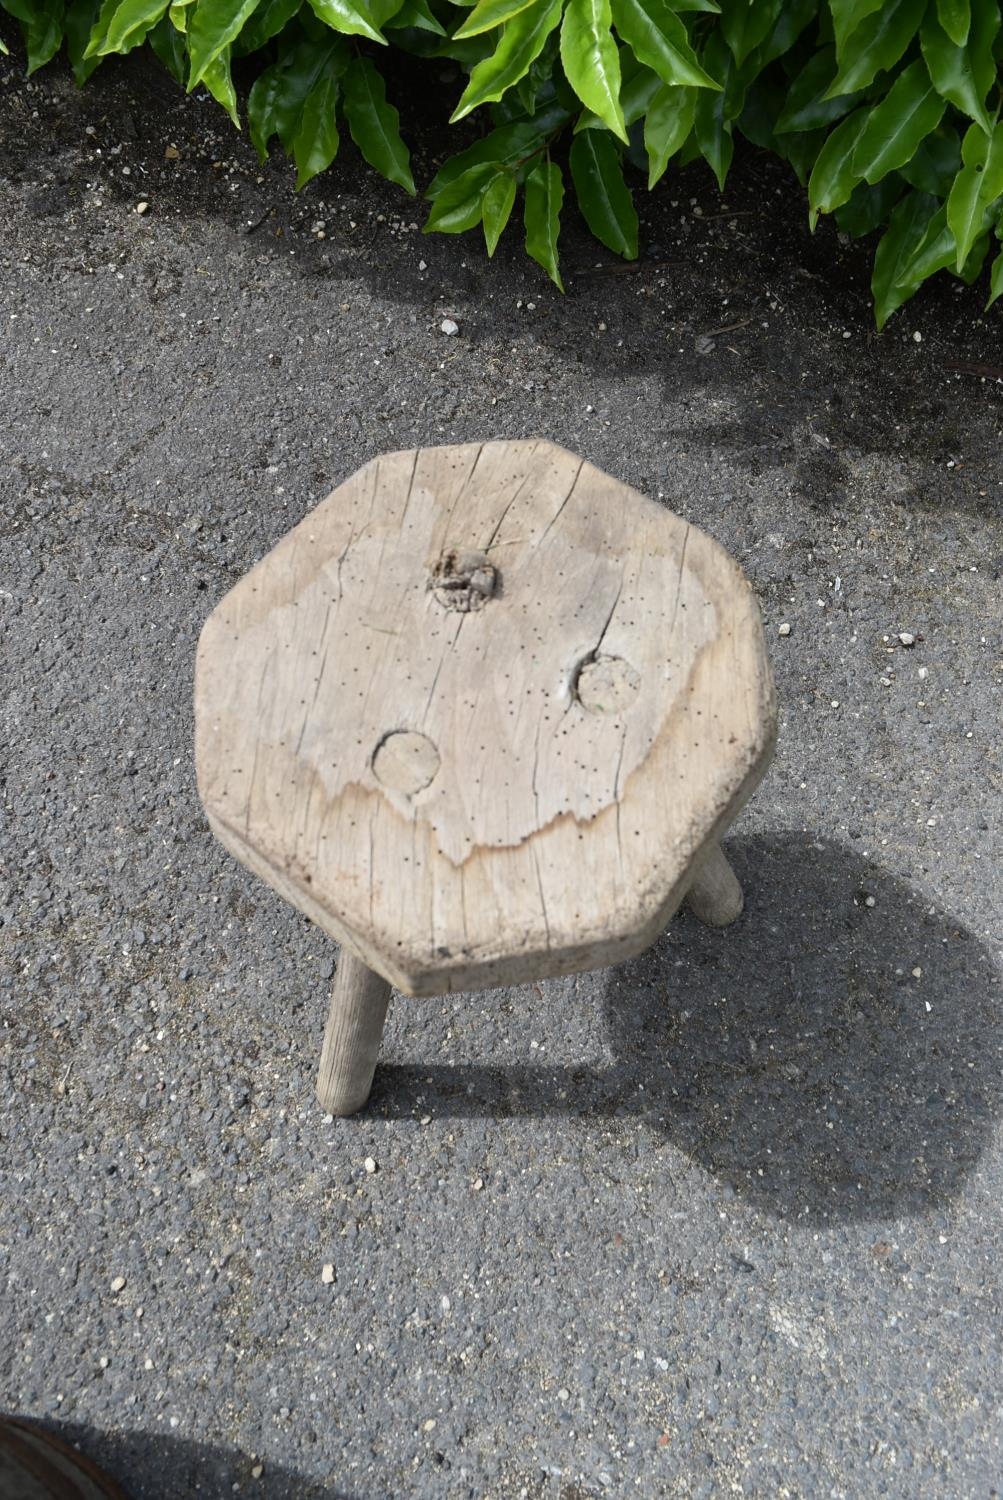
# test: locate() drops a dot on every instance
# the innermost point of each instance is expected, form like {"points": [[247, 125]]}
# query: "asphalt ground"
{"points": [[724, 1220]]}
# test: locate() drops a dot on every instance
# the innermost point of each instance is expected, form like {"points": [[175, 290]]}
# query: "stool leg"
{"points": [[359, 1003], [715, 897]]}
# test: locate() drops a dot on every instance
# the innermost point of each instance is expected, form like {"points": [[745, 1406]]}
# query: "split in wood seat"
{"points": [[483, 715]]}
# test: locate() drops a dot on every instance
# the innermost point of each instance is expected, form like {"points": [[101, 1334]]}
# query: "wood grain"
{"points": [[481, 711]]}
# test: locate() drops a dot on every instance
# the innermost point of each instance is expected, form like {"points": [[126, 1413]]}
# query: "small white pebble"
{"points": [[327, 1275], [422, 266], [869, 901], [257, 1470], [478, 1184], [906, 638], [785, 629], [118, 1284], [449, 328], [917, 973], [147, 1364], [445, 1303], [928, 1005], [917, 337], [602, 327], [103, 1361], [142, 206], [428, 1426], [563, 1394], [922, 673], [834, 702], [369, 1165]]}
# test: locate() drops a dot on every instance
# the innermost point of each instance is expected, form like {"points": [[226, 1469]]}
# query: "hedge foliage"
{"points": [[887, 110]]}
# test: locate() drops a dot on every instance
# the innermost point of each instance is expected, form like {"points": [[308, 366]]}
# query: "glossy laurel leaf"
{"points": [[497, 203], [520, 43], [375, 124], [542, 217], [591, 60], [602, 194], [660, 40]]}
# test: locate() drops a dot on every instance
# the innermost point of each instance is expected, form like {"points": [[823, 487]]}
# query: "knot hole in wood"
{"points": [[606, 684], [405, 761], [463, 580]]}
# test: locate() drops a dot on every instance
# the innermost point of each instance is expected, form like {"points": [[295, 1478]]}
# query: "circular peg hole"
{"points": [[405, 762], [606, 684]]}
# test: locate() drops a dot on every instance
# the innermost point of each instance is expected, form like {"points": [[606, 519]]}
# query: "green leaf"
{"points": [[460, 204], [417, 14], [936, 251], [347, 16], [268, 20], [217, 80], [995, 281], [666, 125], [488, 14], [833, 177], [951, 69], [890, 286], [660, 40], [521, 42], [542, 214], [278, 97], [315, 144], [802, 152], [213, 26], [508, 146], [128, 25], [591, 60], [744, 26], [807, 107], [496, 206], [169, 46], [375, 124], [847, 16], [711, 6], [910, 110], [41, 26], [955, 17], [712, 127], [794, 17], [81, 17], [976, 188], [638, 88], [935, 164], [879, 42], [869, 207], [603, 196]]}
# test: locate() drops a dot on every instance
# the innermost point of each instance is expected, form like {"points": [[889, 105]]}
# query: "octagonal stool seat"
{"points": [[483, 715]]}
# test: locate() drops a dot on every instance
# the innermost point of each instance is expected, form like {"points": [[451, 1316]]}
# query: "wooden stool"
{"points": [[483, 716]]}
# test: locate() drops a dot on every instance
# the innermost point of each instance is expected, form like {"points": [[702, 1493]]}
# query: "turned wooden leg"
{"points": [[715, 897], [359, 1003]]}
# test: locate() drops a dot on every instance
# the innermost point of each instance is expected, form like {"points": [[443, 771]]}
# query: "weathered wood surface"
{"points": [[480, 712], [359, 1003], [715, 896]]}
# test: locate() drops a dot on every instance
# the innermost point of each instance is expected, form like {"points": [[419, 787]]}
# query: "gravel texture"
{"points": [[722, 1221]]}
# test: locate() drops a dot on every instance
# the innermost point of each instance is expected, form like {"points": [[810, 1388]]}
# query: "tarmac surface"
{"points": [[722, 1221]]}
